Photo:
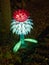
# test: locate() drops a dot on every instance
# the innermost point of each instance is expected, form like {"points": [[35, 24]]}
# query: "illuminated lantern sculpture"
{"points": [[21, 25]]}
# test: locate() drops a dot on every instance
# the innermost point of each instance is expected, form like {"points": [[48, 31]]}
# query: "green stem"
{"points": [[23, 45], [22, 38]]}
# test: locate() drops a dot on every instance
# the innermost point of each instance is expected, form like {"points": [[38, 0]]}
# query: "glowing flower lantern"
{"points": [[21, 25]]}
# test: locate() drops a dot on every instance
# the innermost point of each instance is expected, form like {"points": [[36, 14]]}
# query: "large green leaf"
{"points": [[31, 40], [17, 46]]}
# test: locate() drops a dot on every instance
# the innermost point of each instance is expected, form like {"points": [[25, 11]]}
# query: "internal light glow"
{"points": [[20, 15], [21, 27]]}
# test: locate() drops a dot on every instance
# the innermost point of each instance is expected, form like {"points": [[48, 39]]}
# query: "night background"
{"points": [[35, 54]]}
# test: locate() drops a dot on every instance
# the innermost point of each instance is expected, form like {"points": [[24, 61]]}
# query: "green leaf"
{"points": [[17, 46], [31, 40]]}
